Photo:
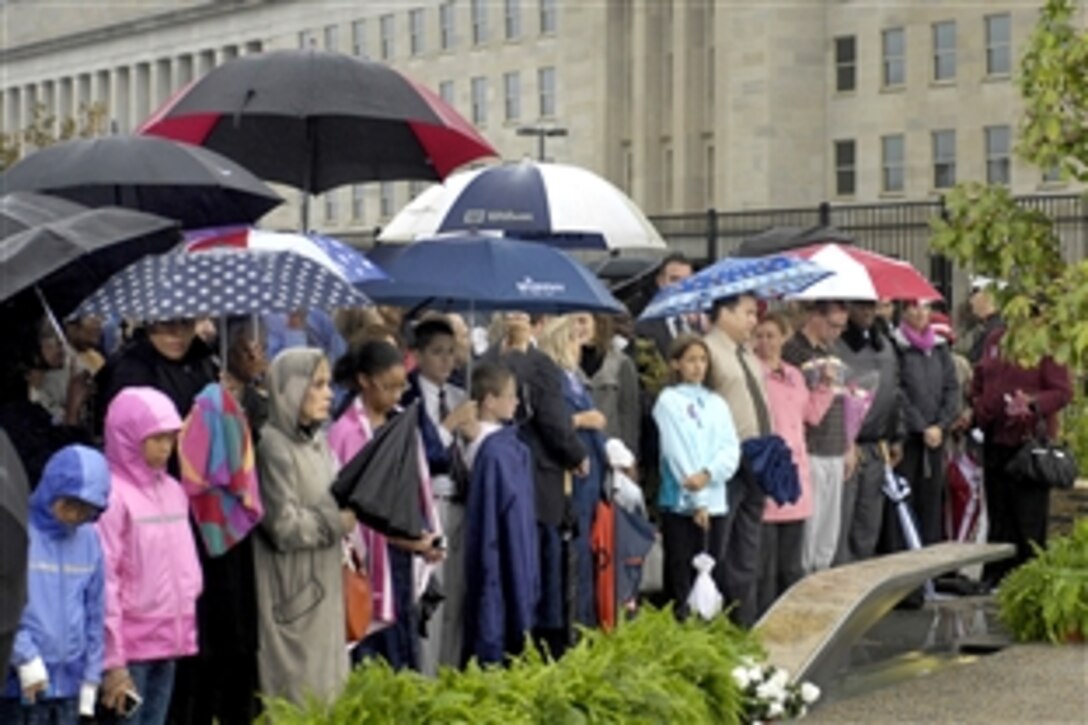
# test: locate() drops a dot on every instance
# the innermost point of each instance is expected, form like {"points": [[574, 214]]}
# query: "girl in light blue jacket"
{"points": [[700, 452], [57, 661]]}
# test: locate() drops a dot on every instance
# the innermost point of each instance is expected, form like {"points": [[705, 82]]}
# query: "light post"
{"points": [[541, 133]]}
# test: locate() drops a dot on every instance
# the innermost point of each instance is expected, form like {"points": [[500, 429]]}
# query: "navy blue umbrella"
{"points": [[488, 273], [221, 282]]}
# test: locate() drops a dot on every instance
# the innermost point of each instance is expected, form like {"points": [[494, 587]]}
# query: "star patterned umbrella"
{"points": [[763, 277], [220, 282]]}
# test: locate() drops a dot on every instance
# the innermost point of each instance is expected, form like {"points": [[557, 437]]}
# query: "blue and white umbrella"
{"points": [[560, 205], [764, 277], [334, 254], [220, 282]]}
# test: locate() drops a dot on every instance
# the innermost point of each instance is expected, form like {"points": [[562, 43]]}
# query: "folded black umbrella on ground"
{"points": [[381, 483]]}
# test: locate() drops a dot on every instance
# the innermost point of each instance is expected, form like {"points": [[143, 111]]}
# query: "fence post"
{"points": [[824, 212], [712, 250]]}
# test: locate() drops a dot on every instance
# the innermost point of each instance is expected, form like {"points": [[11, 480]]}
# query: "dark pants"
{"points": [[740, 551], [924, 469], [681, 541], [586, 496], [1018, 511], [59, 711], [862, 507], [397, 644], [780, 560], [155, 683]]}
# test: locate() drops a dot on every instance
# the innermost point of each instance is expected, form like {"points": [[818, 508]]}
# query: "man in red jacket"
{"points": [[1008, 401]]}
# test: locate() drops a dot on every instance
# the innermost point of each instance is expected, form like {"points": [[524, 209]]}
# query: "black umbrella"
{"points": [[782, 239], [318, 120], [13, 544], [381, 483], [195, 186], [21, 210], [68, 259]]}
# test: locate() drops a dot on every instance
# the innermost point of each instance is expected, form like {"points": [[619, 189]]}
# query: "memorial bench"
{"points": [[810, 629]]}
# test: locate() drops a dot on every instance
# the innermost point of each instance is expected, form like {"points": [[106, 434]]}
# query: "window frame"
{"points": [[511, 101], [416, 33], [447, 26], [888, 61], [1002, 158], [939, 161], [991, 45], [945, 53], [547, 81], [511, 20], [843, 168], [842, 65], [888, 166], [478, 109], [478, 14], [387, 30]]}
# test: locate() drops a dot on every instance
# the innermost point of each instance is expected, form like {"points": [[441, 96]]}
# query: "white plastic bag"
{"points": [[705, 599], [625, 492]]}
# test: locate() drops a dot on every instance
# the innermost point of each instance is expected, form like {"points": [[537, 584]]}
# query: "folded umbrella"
{"points": [[770, 461], [215, 452], [69, 258], [635, 537], [381, 483]]}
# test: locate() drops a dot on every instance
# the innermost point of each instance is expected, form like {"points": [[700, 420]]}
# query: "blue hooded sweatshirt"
{"points": [[63, 619]]}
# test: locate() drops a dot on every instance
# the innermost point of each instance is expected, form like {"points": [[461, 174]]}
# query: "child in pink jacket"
{"points": [[153, 575]]}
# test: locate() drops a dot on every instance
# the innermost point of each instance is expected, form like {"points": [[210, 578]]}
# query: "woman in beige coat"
{"points": [[298, 556]]}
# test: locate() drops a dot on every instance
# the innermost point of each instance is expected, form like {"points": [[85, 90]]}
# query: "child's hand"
{"points": [[701, 517], [460, 417], [347, 520], [697, 481], [30, 693], [590, 420], [115, 683]]}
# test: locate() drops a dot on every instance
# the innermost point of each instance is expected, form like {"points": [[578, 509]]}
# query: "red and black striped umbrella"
{"points": [[317, 120]]}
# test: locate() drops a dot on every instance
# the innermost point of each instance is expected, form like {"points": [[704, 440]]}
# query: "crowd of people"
{"points": [[760, 435]]}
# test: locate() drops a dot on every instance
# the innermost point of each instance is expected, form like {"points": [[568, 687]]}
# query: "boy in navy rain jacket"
{"points": [[57, 661]]}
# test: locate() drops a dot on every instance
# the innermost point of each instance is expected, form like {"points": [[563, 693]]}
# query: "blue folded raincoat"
{"points": [[770, 461]]}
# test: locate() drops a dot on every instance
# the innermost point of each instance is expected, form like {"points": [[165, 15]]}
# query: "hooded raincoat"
{"points": [[153, 575], [61, 625], [297, 556]]}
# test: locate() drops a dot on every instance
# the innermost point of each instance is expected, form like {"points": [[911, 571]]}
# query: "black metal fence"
{"points": [[898, 229]]}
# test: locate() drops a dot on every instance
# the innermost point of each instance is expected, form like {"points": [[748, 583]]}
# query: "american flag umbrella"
{"points": [[334, 254], [863, 275], [762, 276], [220, 282], [317, 120]]}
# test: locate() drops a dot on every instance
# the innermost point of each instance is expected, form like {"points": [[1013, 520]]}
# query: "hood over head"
{"points": [[289, 378], [78, 472], [134, 415]]}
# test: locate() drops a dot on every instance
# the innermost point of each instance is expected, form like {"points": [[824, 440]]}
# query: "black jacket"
{"points": [[931, 392], [13, 545], [546, 427]]}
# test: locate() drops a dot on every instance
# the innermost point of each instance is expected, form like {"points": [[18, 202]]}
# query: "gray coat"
{"points": [[869, 351], [297, 557], [931, 391], [614, 388]]}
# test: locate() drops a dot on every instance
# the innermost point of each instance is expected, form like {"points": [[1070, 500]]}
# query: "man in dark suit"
{"points": [[674, 268]]}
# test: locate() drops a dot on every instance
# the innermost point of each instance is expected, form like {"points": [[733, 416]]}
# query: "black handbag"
{"points": [[1043, 463]]}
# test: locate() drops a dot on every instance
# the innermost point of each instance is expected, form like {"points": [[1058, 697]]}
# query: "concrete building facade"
{"points": [[685, 104]]}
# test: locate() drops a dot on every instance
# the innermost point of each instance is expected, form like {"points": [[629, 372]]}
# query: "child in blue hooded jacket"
{"points": [[56, 664]]}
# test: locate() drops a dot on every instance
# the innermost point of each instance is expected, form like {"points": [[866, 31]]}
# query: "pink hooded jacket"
{"points": [[153, 575]]}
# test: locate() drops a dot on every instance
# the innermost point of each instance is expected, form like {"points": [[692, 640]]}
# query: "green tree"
{"points": [[1045, 298], [45, 129]]}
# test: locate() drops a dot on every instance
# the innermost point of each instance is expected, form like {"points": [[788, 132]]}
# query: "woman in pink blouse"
{"points": [[792, 405]]}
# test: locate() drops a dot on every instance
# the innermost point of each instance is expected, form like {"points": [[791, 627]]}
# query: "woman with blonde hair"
{"points": [[559, 340]]}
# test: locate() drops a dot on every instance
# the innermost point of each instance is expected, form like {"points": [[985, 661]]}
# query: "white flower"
{"points": [[810, 693], [741, 677], [780, 677], [775, 710], [756, 674], [771, 691]]}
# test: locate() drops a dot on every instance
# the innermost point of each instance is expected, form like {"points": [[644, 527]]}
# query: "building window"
{"points": [[1053, 175], [998, 162], [446, 26], [387, 194], [511, 89], [332, 205], [415, 31], [332, 38], [894, 57], [891, 159], [545, 79], [998, 45], [548, 19], [358, 38], [845, 169], [479, 101], [445, 90], [479, 22], [944, 159], [944, 50], [358, 202], [512, 17], [846, 63], [306, 40], [386, 30]]}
